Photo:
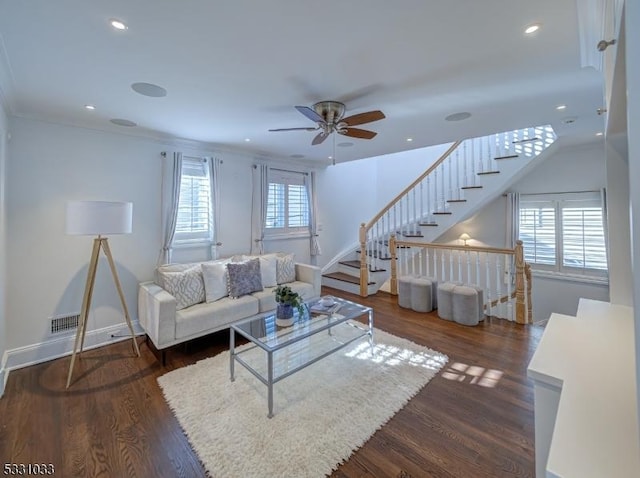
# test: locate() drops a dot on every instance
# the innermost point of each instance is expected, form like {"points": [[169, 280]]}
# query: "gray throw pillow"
{"points": [[186, 286], [244, 278]]}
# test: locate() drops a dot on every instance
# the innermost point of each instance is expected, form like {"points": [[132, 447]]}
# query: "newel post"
{"points": [[521, 311], [364, 279], [394, 269]]}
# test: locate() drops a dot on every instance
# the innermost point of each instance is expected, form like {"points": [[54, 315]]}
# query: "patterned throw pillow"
{"points": [[285, 269], [243, 278], [186, 286]]}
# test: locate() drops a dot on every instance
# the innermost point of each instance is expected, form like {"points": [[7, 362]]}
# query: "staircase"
{"points": [[469, 175]]}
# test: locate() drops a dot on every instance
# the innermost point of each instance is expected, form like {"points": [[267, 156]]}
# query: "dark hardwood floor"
{"points": [[475, 419]]}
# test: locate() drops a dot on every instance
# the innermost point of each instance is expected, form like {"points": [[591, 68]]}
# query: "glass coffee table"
{"points": [[314, 335]]}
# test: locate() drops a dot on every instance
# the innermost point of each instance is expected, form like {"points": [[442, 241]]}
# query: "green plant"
{"points": [[286, 296]]}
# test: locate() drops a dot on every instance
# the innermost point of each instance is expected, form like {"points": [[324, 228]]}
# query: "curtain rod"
{"points": [[558, 192], [285, 170]]}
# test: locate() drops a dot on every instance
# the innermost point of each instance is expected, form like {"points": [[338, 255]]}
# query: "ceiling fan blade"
{"points": [[363, 118], [294, 129], [311, 114], [358, 133], [320, 137]]}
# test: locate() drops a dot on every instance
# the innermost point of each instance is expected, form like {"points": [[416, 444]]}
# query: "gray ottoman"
{"points": [[445, 300], [404, 291], [480, 300], [465, 305], [421, 295]]}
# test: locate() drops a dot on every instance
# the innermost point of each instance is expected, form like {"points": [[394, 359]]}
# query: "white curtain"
{"points": [[259, 207], [314, 244], [170, 195], [214, 175], [512, 220]]}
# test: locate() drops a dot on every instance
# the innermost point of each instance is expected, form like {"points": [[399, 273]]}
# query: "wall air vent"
{"points": [[64, 323]]}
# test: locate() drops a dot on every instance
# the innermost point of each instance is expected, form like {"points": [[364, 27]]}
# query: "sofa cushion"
{"points": [[214, 316], [285, 269], [214, 274], [186, 286], [244, 278], [266, 299], [268, 268]]}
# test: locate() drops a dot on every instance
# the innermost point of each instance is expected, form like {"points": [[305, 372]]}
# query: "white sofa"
{"points": [[166, 324]]}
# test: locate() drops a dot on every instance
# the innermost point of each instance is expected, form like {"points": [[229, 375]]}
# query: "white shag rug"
{"points": [[323, 413]]}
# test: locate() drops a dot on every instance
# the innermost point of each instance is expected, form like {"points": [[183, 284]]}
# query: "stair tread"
{"points": [[456, 200], [428, 224], [356, 265], [341, 276], [442, 212], [484, 173], [471, 187], [411, 234], [508, 156]]}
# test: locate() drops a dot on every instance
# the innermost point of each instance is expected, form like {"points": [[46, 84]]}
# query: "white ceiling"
{"points": [[235, 68]]}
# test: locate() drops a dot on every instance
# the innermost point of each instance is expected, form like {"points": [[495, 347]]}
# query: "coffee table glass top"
{"points": [[264, 332]]}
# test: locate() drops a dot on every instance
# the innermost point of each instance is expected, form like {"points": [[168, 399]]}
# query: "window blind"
{"points": [[287, 202], [538, 232]]}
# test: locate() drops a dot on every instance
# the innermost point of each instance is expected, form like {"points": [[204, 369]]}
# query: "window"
{"points": [[195, 218], [564, 233], [287, 203]]}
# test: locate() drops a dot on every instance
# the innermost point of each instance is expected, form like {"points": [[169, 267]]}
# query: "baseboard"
{"points": [[60, 346]]}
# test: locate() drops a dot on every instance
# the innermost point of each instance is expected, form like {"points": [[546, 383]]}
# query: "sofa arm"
{"points": [[311, 275], [157, 313]]}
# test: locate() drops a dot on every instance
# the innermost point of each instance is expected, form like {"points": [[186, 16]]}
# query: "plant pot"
{"points": [[284, 315]]}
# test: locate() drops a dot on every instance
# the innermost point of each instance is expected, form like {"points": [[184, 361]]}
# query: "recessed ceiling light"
{"points": [[247, 140], [330, 157], [123, 122], [90, 107], [463, 115], [561, 107], [149, 89], [599, 133], [409, 140], [118, 24], [532, 28]]}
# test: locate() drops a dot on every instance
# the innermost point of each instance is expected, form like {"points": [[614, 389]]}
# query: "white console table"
{"points": [[586, 419]]}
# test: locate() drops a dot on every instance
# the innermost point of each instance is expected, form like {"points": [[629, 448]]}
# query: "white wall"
{"points": [[353, 192], [4, 131], [50, 164], [569, 169]]}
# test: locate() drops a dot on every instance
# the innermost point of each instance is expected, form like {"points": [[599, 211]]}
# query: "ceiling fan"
{"points": [[328, 115]]}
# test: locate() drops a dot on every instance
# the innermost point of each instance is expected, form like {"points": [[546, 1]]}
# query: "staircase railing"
{"points": [[502, 274], [442, 184]]}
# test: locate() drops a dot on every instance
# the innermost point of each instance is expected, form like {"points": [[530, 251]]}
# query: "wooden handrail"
{"points": [[375, 219], [432, 245]]}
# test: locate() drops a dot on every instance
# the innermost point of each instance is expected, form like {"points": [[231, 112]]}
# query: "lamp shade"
{"points": [[464, 236], [94, 218]]}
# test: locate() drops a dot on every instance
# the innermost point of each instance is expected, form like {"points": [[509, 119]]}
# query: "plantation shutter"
{"points": [[583, 240], [287, 202], [194, 207], [538, 231]]}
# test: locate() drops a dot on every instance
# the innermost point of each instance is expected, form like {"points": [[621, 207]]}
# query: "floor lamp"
{"points": [[98, 218]]}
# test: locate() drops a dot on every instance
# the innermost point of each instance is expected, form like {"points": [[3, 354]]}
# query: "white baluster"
{"points": [[429, 211], [421, 200], [487, 265], [458, 173], [468, 256], [478, 269], [499, 280], [459, 254]]}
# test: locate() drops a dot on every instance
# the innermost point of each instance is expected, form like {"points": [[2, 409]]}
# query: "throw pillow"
{"points": [[285, 269], [268, 269], [215, 279], [244, 278], [186, 286]]}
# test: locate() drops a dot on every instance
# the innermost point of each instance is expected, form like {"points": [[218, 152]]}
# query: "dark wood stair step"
{"points": [[410, 234], [471, 187], [428, 224], [375, 254], [356, 265], [484, 173], [510, 156], [341, 276], [456, 200], [442, 213]]}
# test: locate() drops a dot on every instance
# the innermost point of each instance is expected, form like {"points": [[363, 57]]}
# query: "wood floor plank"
{"points": [[474, 419]]}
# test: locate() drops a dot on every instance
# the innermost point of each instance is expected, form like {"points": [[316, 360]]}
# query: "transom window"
{"points": [[287, 203], [564, 232]]}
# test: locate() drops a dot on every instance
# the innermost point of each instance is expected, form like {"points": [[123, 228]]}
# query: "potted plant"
{"points": [[287, 299]]}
